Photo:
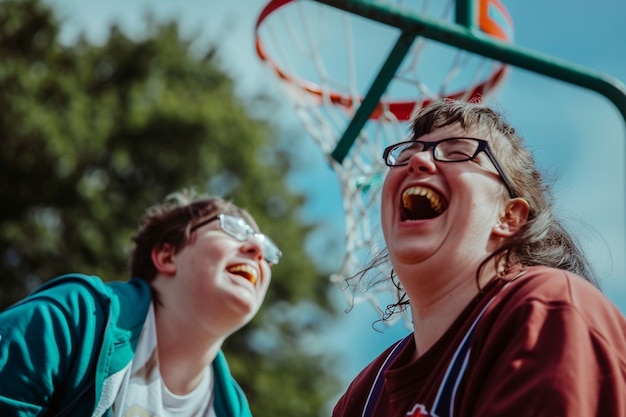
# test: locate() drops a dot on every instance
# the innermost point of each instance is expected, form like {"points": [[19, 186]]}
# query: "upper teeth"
{"points": [[246, 271], [435, 200]]}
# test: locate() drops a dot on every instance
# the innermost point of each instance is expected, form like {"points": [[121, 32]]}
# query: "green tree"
{"points": [[94, 134]]}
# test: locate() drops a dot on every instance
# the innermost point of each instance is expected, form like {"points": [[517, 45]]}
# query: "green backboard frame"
{"points": [[462, 34]]}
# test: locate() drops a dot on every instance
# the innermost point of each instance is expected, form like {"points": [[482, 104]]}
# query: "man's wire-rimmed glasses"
{"points": [[237, 228], [445, 150]]}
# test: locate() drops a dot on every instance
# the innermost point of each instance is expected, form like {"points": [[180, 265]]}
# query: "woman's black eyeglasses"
{"points": [[445, 150]]}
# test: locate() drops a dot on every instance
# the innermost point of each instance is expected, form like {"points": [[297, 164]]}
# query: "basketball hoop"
{"points": [[493, 20], [326, 58]]}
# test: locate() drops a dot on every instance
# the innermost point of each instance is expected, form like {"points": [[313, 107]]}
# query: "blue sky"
{"points": [[575, 134]]}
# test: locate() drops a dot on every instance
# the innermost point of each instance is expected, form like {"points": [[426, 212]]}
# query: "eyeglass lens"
{"points": [[237, 228]]}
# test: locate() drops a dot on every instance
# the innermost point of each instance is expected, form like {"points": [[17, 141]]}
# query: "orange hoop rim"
{"points": [[402, 109]]}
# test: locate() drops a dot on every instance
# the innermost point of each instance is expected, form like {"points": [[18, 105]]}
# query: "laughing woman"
{"points": [[507, 318]]}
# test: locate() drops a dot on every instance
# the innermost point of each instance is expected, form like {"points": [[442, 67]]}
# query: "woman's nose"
{"points": [[423, 161]]}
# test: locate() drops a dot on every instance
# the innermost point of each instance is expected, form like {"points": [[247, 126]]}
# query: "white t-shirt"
{"points": [[143, 392]]}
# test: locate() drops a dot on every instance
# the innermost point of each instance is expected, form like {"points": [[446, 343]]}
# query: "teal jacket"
{"points": [[62, 349]]}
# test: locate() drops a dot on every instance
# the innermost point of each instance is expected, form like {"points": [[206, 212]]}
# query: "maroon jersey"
{"points": [[546, 343]]}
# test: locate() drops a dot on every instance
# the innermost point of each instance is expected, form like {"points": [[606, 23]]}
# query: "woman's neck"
{"points": [[438, 301]]}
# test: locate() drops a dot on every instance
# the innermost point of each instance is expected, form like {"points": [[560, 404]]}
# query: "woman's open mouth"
{"points": [[419, 203]]}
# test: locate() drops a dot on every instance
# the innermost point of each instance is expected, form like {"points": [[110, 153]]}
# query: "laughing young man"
{"points": [[150, 346]]}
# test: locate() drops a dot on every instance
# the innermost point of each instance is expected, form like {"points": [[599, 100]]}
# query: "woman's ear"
{"points": [[515, 216], [163, 259]]}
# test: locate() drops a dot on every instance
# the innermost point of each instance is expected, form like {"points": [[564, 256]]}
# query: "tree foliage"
{"points": [[94, 134]]}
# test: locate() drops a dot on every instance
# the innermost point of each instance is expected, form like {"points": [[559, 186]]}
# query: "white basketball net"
{"points": [[326, 60]]}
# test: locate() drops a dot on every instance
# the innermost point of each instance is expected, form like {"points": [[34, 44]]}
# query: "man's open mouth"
{"points": [[419, 203], [245, 271]]}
